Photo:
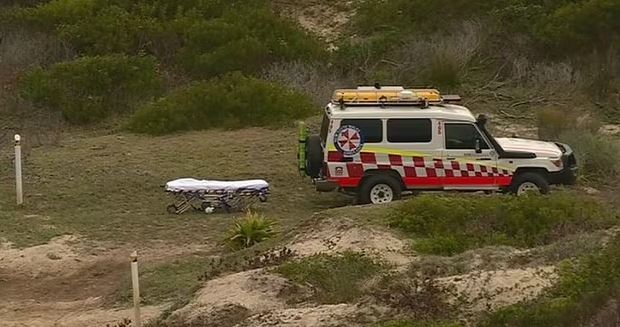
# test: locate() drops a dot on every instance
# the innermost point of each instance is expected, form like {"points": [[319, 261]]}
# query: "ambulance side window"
{"points": [[372, 129], [463, 137], [409, 131]]}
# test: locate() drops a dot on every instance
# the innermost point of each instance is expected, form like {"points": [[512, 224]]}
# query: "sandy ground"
{"points": [[490, 290], [260, 298], [254, 291], [65, 283], [339, 235], [323, 20], [320, 316], [89, 312], [58, 257]]}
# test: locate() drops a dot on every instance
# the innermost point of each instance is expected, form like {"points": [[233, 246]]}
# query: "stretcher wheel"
{"points": [[207, 207], [262, 198], [171, 209]]}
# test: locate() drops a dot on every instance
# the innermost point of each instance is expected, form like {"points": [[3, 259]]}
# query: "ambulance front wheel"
{"points": [[379, 189], [529, 182]]}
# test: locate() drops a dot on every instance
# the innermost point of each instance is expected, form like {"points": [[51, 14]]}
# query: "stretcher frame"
{"points": [[210, 200]]}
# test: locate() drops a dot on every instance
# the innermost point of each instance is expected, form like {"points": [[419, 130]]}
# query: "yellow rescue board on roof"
{"points": [[386, 94]]}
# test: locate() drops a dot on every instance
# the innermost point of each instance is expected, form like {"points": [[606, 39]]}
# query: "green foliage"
{"points": [[552, 122], [233, 101], [584, 288], [581, 24], [443, 71], [417, 15], [244, 40], [598, 156], [208, 38], [252, 229], [448, 225], [90, 88], [336, 279], [559, 25]]}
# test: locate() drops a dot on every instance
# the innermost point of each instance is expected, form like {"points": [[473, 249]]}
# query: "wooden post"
{"points": [[18, 170], [136, 289]]}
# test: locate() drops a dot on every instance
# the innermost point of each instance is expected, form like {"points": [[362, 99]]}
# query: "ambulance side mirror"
{"points": [[478, 149]]}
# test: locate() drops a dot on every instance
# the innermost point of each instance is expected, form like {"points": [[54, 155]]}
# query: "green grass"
{"points": [[107, 188], [168, 282], [448, 225], [585, 286], [336, 279]]}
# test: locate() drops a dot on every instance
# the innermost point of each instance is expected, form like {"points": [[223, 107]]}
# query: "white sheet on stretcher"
{"points": [[192, 185]]}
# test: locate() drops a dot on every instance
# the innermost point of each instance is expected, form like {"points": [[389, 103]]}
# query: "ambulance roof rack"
{"points": [[391, 96]]}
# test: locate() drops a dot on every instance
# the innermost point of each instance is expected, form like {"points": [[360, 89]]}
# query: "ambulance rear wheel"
{"points": [[379, 189], [314, 156]]}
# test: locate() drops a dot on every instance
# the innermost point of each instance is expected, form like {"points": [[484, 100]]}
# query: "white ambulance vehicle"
{"points": [[378, 142]]}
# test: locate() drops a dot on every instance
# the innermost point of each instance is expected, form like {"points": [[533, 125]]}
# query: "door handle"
{"points": [[450, 159], [484, 159]]}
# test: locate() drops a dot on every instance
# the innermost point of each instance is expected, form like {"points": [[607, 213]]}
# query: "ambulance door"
{"points": [[417, 151], [470, 163]]}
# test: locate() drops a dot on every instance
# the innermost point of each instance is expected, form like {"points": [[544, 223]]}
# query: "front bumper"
{"points": [[568, 175]]}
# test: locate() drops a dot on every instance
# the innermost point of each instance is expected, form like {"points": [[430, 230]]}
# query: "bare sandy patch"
{"points": [[68, 314], [252, 291], [319, 316], [490, 290], [324, 20], [54, 258], [340, 236]]}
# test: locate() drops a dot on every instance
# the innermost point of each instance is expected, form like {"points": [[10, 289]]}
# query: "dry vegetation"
{"points": [[93, 191]]}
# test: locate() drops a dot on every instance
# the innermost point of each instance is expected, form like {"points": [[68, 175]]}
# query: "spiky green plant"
{"points": [[251, 229]]}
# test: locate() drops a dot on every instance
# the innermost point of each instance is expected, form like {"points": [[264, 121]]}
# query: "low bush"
{"points": [[447, 225], [597, 155], [552, 122], [422, 299], [335, 279], [90, 88], [207, 38], [557, 27], [584, 287], [246, 40], [233, 101], [252, 229]]}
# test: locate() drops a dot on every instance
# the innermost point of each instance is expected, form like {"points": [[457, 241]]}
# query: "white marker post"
{"points": [[136, 288], [18, 170]]}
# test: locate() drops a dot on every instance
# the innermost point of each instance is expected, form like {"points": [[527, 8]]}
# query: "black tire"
{"points": [[535, 178], [314, 156], [364, 195]]}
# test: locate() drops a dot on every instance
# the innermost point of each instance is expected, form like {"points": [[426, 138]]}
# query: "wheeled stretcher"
{"points": [[209, 195]]}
